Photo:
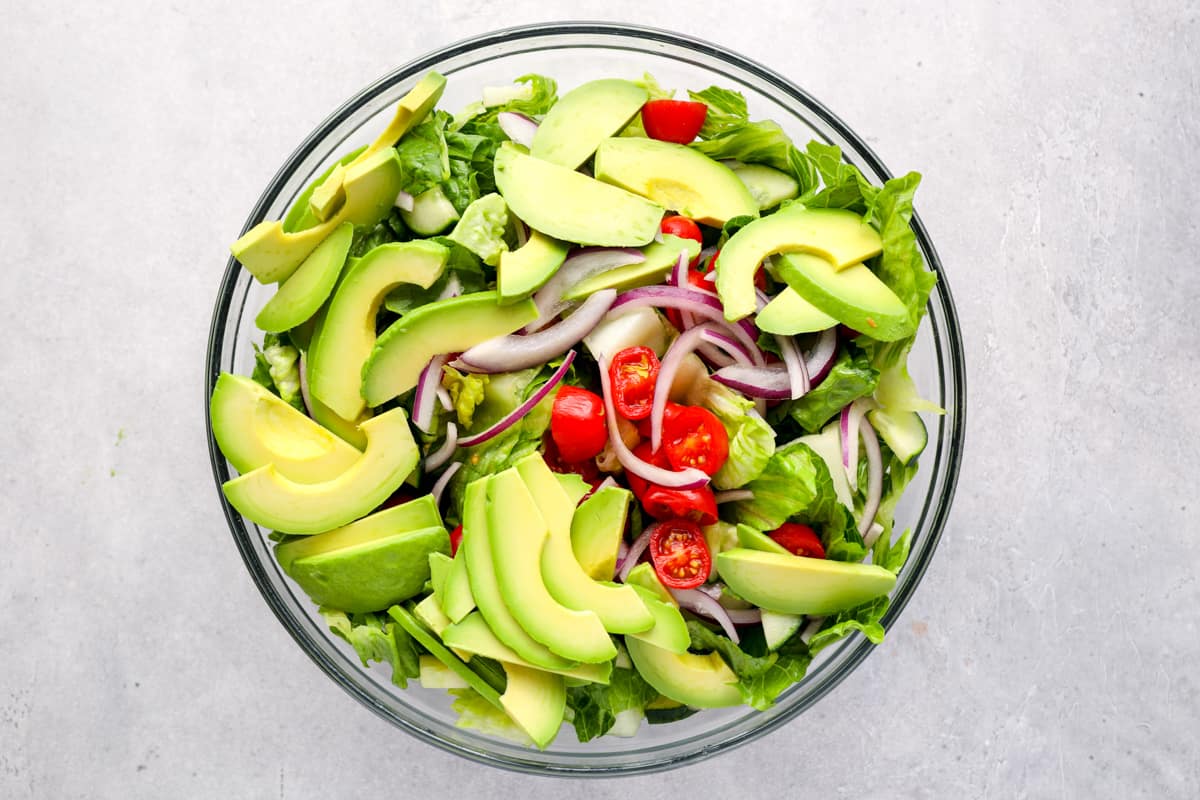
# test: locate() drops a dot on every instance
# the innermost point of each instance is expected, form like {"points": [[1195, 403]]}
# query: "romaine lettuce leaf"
{"points": [[787, 486], [478, 714], [376, 639], [276, 368], [482, 228], [751, 440], [466, 392], [424, 158], [864, 618], [390, 229], [596, 706], [851, 377], [761, 679]]}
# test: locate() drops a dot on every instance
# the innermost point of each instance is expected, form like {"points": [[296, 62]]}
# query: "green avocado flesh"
{"points": [[799, 585], [570, 206], [578, 635], [346, 336], [485, 587], [269, 499], [523, 271], [444, 326], [789, 314], [840, 237], [536, 701], [700, 681], [300, 215], [660, 259], [430, 642], [410, 111], [669, 631], [619, 608], [596, 531], [299, 297], [583, 118], [753, 539], [675, 177], [853, 296], [254, 428], [271, 254], [473, 635], [411, 516]]}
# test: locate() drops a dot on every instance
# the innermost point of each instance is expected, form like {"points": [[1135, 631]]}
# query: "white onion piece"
{"points": [[426, 393], [797, 374], [520, 411], [730, 346], [872, 535], [714, 356], [734, 495], [770, 383], [517, 127], [824, 353], [713, 590], [680, 349], [625, 565], [440, 484], [810, 630], [848, 425], [453, 288], [658, 235], [404, 201], [443, 397], [711, 276], [581, 264], [607, 483], [443, 453], [513, 352], [874, 476], [699, 303], [703, 604], [304, 395], [689, 478]]}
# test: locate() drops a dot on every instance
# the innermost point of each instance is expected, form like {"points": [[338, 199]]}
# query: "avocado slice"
{"points": [[839, 236], [410, 111], [768, 186], [444, 326], [523, 271], [458, 598], [269, 499], [431, 643], [485, 587], [675, 176], [430, 612], [346, 335], [574, 485], [349, 432], [536, 701], [371, 574], [583, 118], [854, 296], [300, 215], [700, 681], [619, 608], [472, 635], [669, 631], [570, 206], [753, 539], [660, 259], [573, 634], [643, 575], [597, 529], [299, 297], [439, 568], [433, 674], [271, 254], [789, 314], [414, 515], [254, 428], [799, 585]]}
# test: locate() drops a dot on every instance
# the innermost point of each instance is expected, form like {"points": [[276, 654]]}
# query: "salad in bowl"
{"points": [[588, 405]]}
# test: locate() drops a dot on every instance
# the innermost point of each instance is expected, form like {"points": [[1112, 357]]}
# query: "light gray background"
{"points": [[1052, 648]]}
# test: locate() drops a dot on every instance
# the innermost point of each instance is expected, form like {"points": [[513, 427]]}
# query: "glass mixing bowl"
{"points": [[573, 53]]}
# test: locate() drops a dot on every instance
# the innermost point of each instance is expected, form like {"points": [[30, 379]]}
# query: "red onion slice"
{"points": [[622, 553], [734, 495], [625, 565], [426, 393], [404, 201], [823, 354], [701, 603], [443, 397], [520, 411], [810, 630], [797, 374], [848, 426], [443, 480], [698, 303], [581, 264], [680, 349], [517, 127], [453, 288], [689, 478], [443, 453], [769, 383], [874, 476], [511, 353]]}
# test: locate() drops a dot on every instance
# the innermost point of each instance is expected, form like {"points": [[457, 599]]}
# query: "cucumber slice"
{"points": [[432, 213], [778, 628], [903, 431]]}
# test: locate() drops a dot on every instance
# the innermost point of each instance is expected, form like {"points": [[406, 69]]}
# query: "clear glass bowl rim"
{"points": [[949, 352]]}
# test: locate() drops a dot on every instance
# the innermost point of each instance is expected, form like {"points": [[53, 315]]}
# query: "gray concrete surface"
{"points": [[1052, 649]]}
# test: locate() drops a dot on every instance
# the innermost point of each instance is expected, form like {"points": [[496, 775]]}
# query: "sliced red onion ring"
{"points": [[680, 349], [823, 354], [443, 453], [701, 603], [426, 393], [734, 495], [520, 411], [769, 383], [304, 395], [581, 264], [439, 486], [689, 478], [517, 127], [810, 630], [443, 397], [713, 590], [511, 353], [622, 553], [625, 565], [848, 425], [698, 303], [797, 374], [731, 346], [874, 476], [404, 201]]}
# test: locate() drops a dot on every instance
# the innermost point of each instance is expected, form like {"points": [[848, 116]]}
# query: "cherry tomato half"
{"points": [[455, 540], [675, 121], [586, 469], [680, 554], [694, 437], [634, 372], [800, 540], [695, 505], [577, 424], [684, 228]]}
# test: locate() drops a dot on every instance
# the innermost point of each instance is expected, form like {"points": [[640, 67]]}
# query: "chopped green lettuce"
{"points": [[751, 440], [761, 679], [851, 377], [276, 368], [864, 618], [482, 228], [376, 639], [787, 486], [596, 706], [462, 265], [390, 229], [653, 88], [424, 158], [466, 392], [477, 713]]}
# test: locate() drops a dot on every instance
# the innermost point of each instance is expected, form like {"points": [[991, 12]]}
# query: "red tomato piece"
{"points": [[577, 424], [455, 540], [634, 372], [798, 539], [694, 437], [679, 554], [695, 505], [586, 469], [675, 121], [659, 459]]}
